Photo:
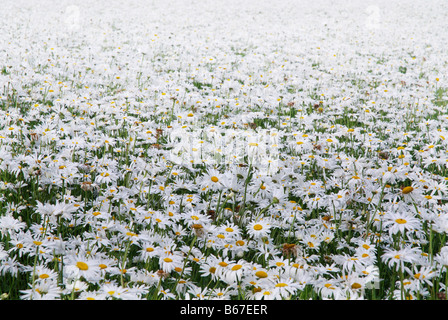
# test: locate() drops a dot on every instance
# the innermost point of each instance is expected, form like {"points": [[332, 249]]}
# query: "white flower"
{"points": [[77, 266], [235, 271], [42, 290], [55, 210], [399, 222], [397, 258], [10, 225], [168, 262], [258, 228]]}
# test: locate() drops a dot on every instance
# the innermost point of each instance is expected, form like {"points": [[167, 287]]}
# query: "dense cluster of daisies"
{"points": [[223, 150]]}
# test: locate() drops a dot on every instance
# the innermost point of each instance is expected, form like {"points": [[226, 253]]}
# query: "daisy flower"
{"points": [[77, 266], [442, 257], [10, 225], [280, 263], [267, 294], [311, 242], [399, 222], [222, 293], [397, 258], [258, 228], [328, 288], [75, 286], [106, 177], [169, 262], [195, 217], [114, 291], [43, 273], [239, 247], [9, 265], [348, 262], [285, 287], [197, 293], [55, 210], [212, 180], [230, 229], [42, 290], [85, 295], [208, 269], [235, 271], [148, 250], [423, 274], [166, 294]]}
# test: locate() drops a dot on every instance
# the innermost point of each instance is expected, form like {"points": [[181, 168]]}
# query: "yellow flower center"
{"points": [[356, 285], [212, 270], [261, 274], [82, 265], [407, 190], [279, 264], [214, 179]]}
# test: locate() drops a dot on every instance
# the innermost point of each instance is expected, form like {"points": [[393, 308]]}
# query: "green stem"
{"points": [[124, 262], [185, 263], [369, 223], [246, 183]]}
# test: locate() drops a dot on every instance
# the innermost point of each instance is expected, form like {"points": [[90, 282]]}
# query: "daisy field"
{"points": [[232, 150]]}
